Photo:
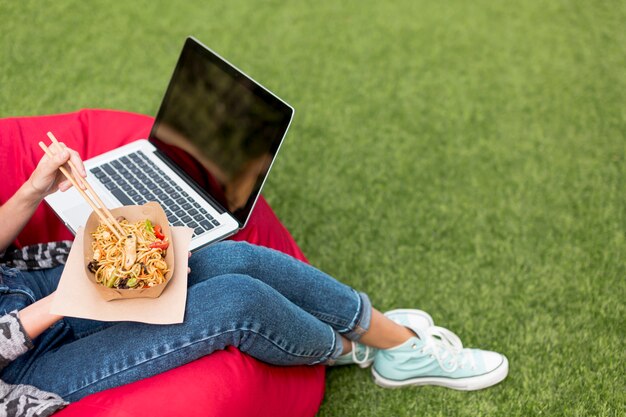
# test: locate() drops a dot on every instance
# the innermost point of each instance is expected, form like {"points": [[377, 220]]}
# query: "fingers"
{"points": [[60, 156], [188, 271], [75, 158], [63, 155], [78, 169], [65, 185], [47, 177], [47, 169]]}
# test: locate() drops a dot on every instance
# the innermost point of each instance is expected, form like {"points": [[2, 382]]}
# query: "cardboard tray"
{"points": [[151, 211]]}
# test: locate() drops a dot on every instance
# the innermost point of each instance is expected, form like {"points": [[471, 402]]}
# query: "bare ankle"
{"points": [[347, 346]]}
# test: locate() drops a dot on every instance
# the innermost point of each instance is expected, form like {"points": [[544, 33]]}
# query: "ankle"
{"points": [[347, 346], [404, 335]]}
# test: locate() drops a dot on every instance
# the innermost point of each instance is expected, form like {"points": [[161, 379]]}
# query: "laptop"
{"points": [[212, 145]]}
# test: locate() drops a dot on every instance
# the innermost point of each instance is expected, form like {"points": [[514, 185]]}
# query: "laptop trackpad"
{"points": [[77, 215]]}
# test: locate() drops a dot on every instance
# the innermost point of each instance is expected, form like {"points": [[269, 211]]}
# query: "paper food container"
{"points": [[150, 211]]}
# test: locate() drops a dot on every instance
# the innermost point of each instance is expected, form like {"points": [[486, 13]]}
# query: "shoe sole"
{"points": [[409, 312], [462, 384]]}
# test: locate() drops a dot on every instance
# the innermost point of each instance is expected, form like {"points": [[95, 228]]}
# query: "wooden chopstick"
{"points": [[83, 181], [71, 178]]}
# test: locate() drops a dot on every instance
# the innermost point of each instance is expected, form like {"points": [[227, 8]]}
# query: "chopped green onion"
{"points": [[149, 227]]}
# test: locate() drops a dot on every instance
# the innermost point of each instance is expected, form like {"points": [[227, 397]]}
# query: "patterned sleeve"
{"points": [[37, 256], [13, 339], [21, 400]]}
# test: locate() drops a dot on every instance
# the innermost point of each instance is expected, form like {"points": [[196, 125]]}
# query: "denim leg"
{"points": [[231, 309], [332, 302], [21, 288]]}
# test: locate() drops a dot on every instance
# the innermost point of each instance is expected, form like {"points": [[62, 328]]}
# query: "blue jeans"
{"points": [[268, 304]]}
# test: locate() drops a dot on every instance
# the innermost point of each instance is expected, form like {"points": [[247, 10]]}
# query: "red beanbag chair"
{"points": [[225, 383]]}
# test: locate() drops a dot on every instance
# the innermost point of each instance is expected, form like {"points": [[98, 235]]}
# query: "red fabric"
{"points": [[225, 383]]}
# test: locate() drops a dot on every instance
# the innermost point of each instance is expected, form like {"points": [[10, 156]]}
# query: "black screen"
{"points": [[220, 127]]}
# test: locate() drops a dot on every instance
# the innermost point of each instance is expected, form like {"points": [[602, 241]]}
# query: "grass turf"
{"points": [[467, 158]]}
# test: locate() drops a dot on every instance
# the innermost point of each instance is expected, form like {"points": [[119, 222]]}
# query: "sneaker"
{"points": [[360, 354], [437, 357], [363, 355], [411, 318]]}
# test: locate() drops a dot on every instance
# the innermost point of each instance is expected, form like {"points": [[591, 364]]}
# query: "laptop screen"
{"points": [[221, 128]]}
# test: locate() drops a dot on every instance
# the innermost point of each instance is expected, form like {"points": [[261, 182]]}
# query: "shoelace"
{"points": [[447, 348], [366, 350]]}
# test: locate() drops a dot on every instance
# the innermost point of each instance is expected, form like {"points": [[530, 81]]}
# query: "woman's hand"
{"points": [[36, 317], [46, 179]]}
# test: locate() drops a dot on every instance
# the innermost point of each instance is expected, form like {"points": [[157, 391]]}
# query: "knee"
{"points": [[233, 296], [243, 256], [224, 258]]}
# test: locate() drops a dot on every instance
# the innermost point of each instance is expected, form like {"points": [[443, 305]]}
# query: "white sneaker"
{"points": [[437, 357], [363, 355], [411, 318], [360, 354]]}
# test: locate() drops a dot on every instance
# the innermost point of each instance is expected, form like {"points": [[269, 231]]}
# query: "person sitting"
{"points": [[267, 304]]}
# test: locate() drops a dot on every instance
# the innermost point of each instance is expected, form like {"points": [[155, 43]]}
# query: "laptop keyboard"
{"points": [[135, 179]]}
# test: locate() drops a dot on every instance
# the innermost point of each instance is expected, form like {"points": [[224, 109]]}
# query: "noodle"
{"points": [[137, 261]]}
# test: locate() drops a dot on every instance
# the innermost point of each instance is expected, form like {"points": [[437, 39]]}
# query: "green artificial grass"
{"points": [[466, 158]]}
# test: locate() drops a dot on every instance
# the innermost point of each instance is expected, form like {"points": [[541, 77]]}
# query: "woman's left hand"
{"points": [[46, 179]]}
